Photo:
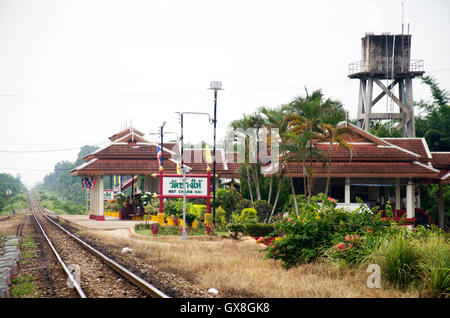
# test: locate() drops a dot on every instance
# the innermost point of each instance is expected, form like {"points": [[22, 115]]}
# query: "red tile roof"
{"points": [[365, 152], [441, 160], [370, 156], [362, 169], [416, 145]]}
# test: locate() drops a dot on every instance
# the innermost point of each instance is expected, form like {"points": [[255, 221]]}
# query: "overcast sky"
{"points": [[74, 72]]}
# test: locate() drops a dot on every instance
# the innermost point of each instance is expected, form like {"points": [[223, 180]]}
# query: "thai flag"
{"points": [[159, 154]]}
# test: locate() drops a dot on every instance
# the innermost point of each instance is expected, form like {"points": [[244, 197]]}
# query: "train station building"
{"points": [[375, 169]]}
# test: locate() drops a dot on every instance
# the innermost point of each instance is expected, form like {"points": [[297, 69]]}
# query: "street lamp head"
{"points": [[215, 85]]}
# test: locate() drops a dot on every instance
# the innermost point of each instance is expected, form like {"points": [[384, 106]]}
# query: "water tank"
{"points": [[376, 54]]}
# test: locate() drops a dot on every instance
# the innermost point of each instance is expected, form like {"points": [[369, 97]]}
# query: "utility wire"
{"points": [[47, 150]]}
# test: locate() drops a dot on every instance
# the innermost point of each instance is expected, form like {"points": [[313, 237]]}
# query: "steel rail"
{"points": [[144, 285], [72, 279]]}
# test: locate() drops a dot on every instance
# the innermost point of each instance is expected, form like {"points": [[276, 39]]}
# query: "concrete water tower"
{"points": [[386, 57]]}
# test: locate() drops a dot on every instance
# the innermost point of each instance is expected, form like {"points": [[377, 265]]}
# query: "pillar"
{"points": [[97, 199], [410, 208], [398, 201], [151, 184], [347, 190]]}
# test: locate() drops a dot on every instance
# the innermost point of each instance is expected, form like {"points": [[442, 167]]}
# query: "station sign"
{"points": [[195, 186]]}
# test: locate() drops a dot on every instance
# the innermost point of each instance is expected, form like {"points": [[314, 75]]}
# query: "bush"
{"points": [[263, 209], [248, 215], [169, 207], [220, 215], [190, 218], [198, 209], [259, 229], [228, 200], [318, 227], [243, 204], [353, 249], [208, 219], [120, 200], [236, 229]]}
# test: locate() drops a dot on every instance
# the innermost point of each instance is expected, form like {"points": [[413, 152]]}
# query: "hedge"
{"points": [[259, 229]]}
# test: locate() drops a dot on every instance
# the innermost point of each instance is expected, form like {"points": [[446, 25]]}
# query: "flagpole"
{"points": [[183, 234]]}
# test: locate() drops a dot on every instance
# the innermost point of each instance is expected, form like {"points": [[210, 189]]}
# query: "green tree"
{"points": [[306, 115], [334, 135], [434, 122], [66, 187]]}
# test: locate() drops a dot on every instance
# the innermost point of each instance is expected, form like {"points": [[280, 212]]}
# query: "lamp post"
{"points": [[162, 143], [216, 86], [183, 167]]}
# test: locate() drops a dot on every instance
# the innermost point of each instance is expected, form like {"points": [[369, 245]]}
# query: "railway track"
{"points": [[89, 272]]}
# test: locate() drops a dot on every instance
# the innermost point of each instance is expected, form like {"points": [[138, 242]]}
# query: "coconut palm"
{"points": [[273, 119], [307, 114], [253, 121], [334, 135]]}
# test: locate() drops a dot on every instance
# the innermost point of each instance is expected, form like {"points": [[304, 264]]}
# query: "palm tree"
{"points": [[273, 119], [244, 124], [307, 115], [255, 121], [334, 135]]}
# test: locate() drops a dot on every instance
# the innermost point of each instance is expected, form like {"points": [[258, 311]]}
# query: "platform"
{"points": [[82, 222]]}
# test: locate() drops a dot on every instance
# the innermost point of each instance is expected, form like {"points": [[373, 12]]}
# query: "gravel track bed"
{"points": [[40, 263], [97, 279]]}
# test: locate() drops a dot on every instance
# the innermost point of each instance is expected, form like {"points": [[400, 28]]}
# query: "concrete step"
{"points": [[7, 274], [10, 264]]}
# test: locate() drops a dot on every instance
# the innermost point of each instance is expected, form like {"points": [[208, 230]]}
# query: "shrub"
{"points": [[142, 226], [170, 207], [248, 215], [208, 218], [154, 228], [120, 199], [228, 200], [243, 204], [198, 209], [259, 229], [190, 218], [220, 215], [318, 227], [209, 229], [353, 249], [175, 220], [263, 209], [236, 229]]}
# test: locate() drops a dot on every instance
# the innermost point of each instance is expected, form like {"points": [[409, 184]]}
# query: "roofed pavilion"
{"points": [[376, 170], [129, 153]]}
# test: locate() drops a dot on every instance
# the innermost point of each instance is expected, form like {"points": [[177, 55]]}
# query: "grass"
{"points": [[18, 202], [435, 263], [24, 287], [171, 230], [238, 268], [415, 262]]}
